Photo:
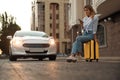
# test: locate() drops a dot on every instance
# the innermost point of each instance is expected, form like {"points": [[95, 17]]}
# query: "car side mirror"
{"points": [[9, 37]]}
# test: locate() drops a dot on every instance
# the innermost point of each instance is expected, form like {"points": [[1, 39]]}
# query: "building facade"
{"points": [[52, 17], [109, 26]]}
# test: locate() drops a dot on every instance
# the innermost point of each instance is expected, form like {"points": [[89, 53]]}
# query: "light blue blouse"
{"points": [[90, 24]]}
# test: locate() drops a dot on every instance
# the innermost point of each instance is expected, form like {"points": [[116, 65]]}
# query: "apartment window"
{"points": [[57, 26], [101, 35], [88, 2], [43, 7], [57, 7], [50, 34], [50, 16], [50, 7], [43, 27], [57, 35], [57, 16], [50, 26], [36, 28]]}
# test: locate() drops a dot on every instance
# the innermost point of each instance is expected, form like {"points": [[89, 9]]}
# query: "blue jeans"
{"points": [[77, 45]]}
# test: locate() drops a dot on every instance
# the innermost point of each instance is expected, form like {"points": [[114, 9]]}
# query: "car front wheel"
{"points": [[40, 59], [12, 58], [52, 58]]}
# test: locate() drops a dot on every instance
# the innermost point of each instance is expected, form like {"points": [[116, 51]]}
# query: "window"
{"points": [[50, 16], [36, 28], [57, 35], [43, 7], [50, 26], [57, 7], [101, 35], [50, 34], [88, 2], [57, 25], [57, 16], [50, 7]]}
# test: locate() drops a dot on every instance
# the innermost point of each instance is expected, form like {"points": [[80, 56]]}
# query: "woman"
{"points": [[89, 26]]}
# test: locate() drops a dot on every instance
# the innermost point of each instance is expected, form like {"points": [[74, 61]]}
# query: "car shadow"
{"points": [[32, 60]]}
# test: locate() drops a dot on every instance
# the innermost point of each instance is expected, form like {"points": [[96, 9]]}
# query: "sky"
{"points": [[21, 9]]}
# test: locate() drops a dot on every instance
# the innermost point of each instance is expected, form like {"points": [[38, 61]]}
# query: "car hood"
{"points": [[35, 40]]}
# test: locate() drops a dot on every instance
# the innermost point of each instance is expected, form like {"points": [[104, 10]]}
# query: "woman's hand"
{"points": [[81, 22]]}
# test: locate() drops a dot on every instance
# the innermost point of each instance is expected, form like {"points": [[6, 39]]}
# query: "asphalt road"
{"points": [[59, 70]]}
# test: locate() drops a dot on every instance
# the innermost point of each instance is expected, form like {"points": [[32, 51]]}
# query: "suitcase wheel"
{"points": [[87, 60], [90, 60], [96, 60]]}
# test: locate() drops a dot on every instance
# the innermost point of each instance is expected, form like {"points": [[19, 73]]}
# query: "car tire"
{"points": [[40, 59], [12, 58], [52, 58]]}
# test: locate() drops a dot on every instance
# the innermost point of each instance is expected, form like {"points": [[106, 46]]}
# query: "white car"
{"points": [[33, 44]]}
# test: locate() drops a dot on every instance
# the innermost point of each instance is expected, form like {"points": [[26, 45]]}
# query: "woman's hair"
{"points": [[90, 8]]}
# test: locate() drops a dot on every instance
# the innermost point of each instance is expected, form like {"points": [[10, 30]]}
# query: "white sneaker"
{"points": [[71, 59]]}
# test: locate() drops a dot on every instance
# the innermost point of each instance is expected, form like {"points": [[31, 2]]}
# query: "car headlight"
{"points": [[17, 42], [52, 42]]}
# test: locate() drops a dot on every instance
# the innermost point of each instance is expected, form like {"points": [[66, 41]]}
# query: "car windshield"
{"points": [[30, 33]]}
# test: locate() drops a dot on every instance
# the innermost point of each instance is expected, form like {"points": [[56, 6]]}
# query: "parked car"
{"points": [[35, 44]]}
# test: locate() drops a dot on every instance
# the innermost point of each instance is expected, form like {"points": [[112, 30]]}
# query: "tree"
{"points": [[9, 27]]}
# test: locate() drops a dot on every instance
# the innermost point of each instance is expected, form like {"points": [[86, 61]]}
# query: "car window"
{"points": [[31, 33]]}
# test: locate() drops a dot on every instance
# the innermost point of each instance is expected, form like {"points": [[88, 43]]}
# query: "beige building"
{"points": [[52, 17]]}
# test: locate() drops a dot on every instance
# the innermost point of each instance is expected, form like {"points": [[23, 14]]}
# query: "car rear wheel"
{"points": [[52, 58], [40, 59], [12, 58]]}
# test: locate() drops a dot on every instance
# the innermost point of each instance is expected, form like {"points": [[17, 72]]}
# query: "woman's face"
{"points": [[87, 12]]}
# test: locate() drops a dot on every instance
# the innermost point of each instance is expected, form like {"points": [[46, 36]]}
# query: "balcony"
{"points": [[108, 7]]}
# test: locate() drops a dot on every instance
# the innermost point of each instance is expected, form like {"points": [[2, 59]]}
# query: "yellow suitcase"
{"points": [[91, 51]]}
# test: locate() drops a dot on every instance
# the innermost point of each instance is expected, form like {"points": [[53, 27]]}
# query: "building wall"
{"points": [[110, 19], [113, 38], [33, 16], [96, 3], [76, 11], [53, 26]]}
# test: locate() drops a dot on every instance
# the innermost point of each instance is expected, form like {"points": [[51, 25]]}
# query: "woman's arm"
{"points": [[81, 23]]}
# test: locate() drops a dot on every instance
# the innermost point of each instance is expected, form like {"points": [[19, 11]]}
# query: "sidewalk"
{"points": [[110, 59], [113, 58], [3, 57], [101, 58]]}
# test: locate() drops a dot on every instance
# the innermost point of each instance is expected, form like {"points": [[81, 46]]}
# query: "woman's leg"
{"points": [[73, 52], [77, 45], [74, 48], [80, 40]]}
